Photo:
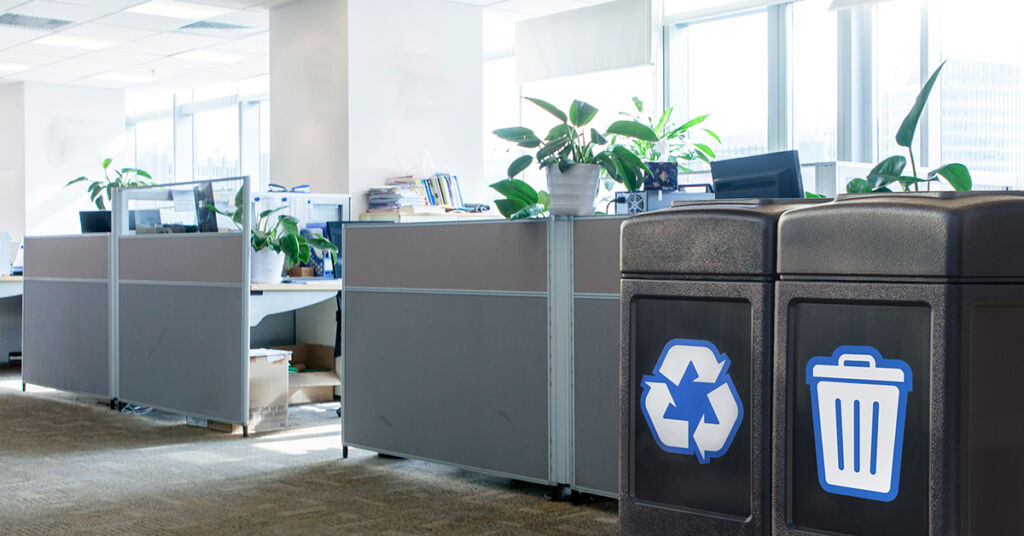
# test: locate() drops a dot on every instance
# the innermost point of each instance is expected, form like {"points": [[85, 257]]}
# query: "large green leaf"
{"points": [[663, 120], [596, 137], [857, 186], [560, 131], [552, 148], [551, 108], [79, 179], [519, 135], [528, 212], [519, 165], [289, 244], [544, 198], [516, 189], [905, 135], [687, 125], [705, 149], [581, 113], [886, 172], [632, 129], [508, 207], [956, 175], [713, 135]]}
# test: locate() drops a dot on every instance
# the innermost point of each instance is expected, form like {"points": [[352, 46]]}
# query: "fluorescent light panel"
{"points": [[75, 41], [11, 67], [178, 10], [210, 56]]}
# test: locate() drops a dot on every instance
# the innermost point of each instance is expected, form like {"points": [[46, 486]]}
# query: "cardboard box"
{"points": [[317, 381], [268, 389]]}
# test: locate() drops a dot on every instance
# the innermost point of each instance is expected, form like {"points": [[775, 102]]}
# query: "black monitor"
{"points": [[771, 175]]}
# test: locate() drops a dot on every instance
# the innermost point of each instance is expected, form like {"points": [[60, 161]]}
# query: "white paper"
{"points": [[184, 200]]}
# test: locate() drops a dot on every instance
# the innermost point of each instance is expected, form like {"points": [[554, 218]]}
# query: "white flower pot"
{"points": [[265, 266], [573, 192]]}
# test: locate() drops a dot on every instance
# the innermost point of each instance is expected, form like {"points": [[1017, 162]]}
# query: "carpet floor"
{"points": [[69, 465]]}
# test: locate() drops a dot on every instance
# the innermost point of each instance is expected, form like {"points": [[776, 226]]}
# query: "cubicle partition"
{"points": [[182, 315], [595, 361], [66, 310], [491, 346], [446, 350]]}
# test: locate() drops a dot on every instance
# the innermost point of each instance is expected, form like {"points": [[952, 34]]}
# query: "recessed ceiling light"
{"points": [[178, 10], [10, 67], [211, 56], [123, 77], [75, 41]]}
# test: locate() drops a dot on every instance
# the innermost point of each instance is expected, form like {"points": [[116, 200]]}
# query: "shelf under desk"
{"points": [[11, 285], [271, 298]]}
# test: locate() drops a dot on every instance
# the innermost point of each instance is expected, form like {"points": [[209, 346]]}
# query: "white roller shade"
{"points": [[597, 38]]}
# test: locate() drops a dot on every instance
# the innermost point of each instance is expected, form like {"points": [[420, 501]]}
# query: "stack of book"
{"points": [[408, 195]]}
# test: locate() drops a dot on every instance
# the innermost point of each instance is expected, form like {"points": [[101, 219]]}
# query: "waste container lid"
{"points": [[917, 236], [725, 238]]}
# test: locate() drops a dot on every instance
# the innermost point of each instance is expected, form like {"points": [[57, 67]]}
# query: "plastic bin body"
{"points": [[913, 303], [696, 304]]}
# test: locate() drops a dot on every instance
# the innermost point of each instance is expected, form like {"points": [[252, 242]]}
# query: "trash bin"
{"points": [[898, 336], [695, 376]]}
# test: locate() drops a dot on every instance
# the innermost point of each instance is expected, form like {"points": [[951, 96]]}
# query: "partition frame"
{"points": [[240, 413]]}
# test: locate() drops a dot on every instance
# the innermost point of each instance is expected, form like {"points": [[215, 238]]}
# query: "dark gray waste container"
{"points": [[898, 369], [695, 372]]}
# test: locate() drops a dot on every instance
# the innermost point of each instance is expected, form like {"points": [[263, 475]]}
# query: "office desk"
{"points": [[11, 285], [267, 299]]}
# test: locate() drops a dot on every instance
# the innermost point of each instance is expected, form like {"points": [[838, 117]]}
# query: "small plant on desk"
{"points": [[124, 178], [275, 240]]}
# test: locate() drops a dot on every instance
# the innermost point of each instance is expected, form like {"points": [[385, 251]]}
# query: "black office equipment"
{"points": [[94, 221], [206, 219], [771, 175], [148, 219]]}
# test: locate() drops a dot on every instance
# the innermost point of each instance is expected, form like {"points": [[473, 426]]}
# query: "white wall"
{"points": [[309, 91], [416, 85], [69, 130], [363, 88], [12, 160]]}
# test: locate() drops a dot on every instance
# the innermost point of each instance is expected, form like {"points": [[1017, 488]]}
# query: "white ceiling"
{"points": [[131, 43]]}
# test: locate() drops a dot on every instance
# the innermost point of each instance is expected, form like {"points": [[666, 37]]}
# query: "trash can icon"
{"points": [[859, 406]]}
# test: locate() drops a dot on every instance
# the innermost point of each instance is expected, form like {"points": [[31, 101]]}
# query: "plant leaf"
{"points": [[581, 113], [551, 108], [713, 135], [560, 131], [528, 212], [811, 195], [508, 207], [79, 179], [596, 137], [663, 120], [519, 165], [957, 175], [106, 162], [632, 129], [516, 189], [639, 104], [565, 165], [905, 135], [522, 136], [705, 149], [552, 148], [686, 126], [857, 186], [543, 198], [289, 245]]}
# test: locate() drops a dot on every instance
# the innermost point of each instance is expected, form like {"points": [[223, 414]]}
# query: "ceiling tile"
{"points": [[538, 8], [141, 21], [24, 57], [121, 33], [55, 10], [118, 58], [50, 78], [107, 5], [234, 4], [75, 67], [8, 4], [47, 50], [255, 18]]}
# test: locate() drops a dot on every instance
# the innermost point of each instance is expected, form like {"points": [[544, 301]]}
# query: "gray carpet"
{"points": [[69, 465]]}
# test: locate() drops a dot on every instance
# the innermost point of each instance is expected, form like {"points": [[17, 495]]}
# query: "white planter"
{"points": [[573, 192], [265, 266]]}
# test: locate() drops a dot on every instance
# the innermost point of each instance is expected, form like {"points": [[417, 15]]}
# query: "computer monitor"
{"points": [[772, 175]]}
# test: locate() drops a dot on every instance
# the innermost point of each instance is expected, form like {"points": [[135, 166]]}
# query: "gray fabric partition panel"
{"points": [[595, 395], [74, 257], [495, 256], [461, 379], [201, 258], [10, 326], [596, 251], [66, 336], [182, 349]]}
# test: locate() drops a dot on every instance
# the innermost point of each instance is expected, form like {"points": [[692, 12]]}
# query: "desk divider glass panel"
{"points": [[182, 289]]}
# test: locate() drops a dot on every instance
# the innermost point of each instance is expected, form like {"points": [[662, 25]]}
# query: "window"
{"points": [[897, 71], [216, 143], [501, 109], [814, 80], [982, 88], [154, 148], [720, 67], [264, 143]]}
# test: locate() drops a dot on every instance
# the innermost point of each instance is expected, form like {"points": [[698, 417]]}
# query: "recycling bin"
{"points": [[695, 374], [897, 375]]}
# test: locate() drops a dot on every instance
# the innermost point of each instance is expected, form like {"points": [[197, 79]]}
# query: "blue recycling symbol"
{"points": [[690, 403]]}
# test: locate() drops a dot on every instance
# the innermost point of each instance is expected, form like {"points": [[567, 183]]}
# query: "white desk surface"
{"points": [[11, 285], [283, 297]]}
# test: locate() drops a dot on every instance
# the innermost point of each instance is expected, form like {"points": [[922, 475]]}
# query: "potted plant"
{"points": [[98, 189], [275, 241], [573, 157], [890, 171], [674, 150]]}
